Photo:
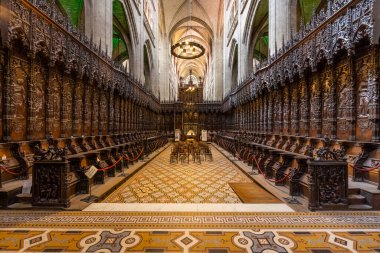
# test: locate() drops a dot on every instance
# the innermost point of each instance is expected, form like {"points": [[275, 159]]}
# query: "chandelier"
{"points": [[188, 49]]}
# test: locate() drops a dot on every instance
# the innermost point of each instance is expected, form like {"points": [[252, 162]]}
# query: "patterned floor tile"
{"points": [[13, 240], [162, 182], [190, 241]]}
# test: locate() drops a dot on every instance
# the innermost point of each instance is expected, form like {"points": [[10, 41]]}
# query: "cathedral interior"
{"points": [[210, 126]]}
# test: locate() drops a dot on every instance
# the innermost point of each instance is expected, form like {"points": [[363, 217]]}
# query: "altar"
{"points": [[191, 135]]}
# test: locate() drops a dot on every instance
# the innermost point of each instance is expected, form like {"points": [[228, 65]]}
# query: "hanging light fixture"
{"points": [[188, 49]]}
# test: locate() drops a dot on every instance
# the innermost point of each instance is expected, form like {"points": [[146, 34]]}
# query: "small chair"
{"points": [[174, 156], [208, 154], [197, 156]]}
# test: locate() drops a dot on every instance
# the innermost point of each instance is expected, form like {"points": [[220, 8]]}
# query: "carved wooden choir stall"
{"points": [[308, 118]]}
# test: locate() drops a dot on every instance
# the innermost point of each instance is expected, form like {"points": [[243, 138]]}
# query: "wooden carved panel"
{"points": [[78, 109], [36, 122], [315, 106], [123, 115], [277, 112], [304, 108], [103, 113], [2, 88], [327, 103], [95, 111], [117, 114], [54, 103], [270, 112], [67, 110], [286, 111], [363, 123], [294, 106], [258, 113], [345, 100], [128, 111], [266, 112], [17, 99], [88, 109], [111, 112]]}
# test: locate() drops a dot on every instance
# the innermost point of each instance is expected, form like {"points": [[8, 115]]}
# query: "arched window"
{"points": [[307, 7], [74, 10], [259, 38], [119, 47], [235, 69], [193, 78], [121, 40], [147, 67]]}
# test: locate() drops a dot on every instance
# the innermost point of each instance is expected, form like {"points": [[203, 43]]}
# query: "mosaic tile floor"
{"points": [[225, 231], [189, 232], [162, 182]]}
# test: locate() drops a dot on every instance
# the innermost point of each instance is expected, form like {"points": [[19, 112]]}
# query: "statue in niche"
{"points": [[37, 103], [17, 101], [19, 92], [327, 99], [344, 94], [314, 101], [363, 102]]}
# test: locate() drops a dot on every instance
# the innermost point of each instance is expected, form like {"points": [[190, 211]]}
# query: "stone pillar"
{"points": [[98, 23], [282, 19]]}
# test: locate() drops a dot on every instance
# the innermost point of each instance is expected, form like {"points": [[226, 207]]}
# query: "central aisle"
{"points": [[162, 182]]}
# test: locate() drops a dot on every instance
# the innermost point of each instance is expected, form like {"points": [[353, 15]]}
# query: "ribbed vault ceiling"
{"points": [[202, 28]]}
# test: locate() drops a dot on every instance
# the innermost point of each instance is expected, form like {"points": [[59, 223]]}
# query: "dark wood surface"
{"points": [[253, 193]]}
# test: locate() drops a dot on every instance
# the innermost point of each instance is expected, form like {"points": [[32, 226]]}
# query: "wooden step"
{"points": [[24, 197], [360, 207], [353, 191], [253, 193], [357, 199]]}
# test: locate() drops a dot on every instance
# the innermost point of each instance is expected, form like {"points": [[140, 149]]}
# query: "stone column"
{"points": [[98, 23], [282, 19]]}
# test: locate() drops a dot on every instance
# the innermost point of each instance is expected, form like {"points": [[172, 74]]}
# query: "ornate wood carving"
{"points": [[67, 110], [37, 103], [327, 103], [364, 125], [95, 111], [54, 103], [49, 184], [315, 107], [78, 108], [294, 102], [374, 93], [17, 98], [328, 182]]}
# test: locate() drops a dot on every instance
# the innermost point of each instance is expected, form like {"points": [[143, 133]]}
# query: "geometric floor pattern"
{"points": [[212, 241], [162, 182], [51, 231], [189, 232]]}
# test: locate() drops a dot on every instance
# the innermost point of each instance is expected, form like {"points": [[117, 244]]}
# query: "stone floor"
{"points": [[189, 232], [189, 227], [162, 182]]}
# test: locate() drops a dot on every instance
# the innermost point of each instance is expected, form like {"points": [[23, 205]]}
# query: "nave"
{"points": [[94, 94]]}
